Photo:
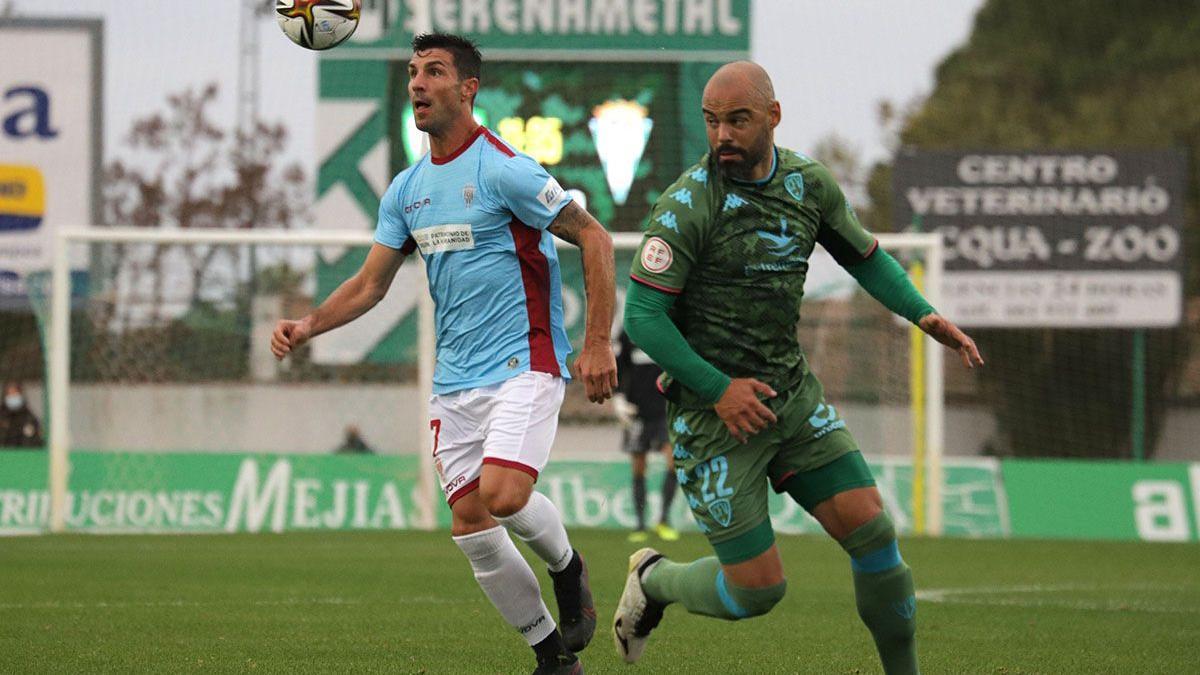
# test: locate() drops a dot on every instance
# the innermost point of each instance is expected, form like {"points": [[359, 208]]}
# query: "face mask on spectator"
{"points": [[14, 401]]}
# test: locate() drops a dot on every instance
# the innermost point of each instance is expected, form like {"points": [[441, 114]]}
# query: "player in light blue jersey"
{"points": [[481, 215]]}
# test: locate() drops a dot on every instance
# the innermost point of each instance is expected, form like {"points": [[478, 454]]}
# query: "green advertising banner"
{"points": [[154, 492], [562, 28], [1103, 500], [597, 494], [150, 492]]}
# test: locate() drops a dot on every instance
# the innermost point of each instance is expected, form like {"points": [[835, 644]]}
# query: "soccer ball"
{"points": [[318, 24]]}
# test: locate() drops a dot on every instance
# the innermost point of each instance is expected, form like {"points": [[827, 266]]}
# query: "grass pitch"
{"points": [[406, 602]]}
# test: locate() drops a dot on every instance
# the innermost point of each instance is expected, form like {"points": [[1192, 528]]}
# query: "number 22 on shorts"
{"points": [[720, 467]]}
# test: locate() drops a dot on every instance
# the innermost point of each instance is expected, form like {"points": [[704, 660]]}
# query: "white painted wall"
{"points": [[312, 418]]}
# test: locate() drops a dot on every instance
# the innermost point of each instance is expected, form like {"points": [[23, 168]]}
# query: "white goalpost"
{"points": [[59, 441], [922, 398]]}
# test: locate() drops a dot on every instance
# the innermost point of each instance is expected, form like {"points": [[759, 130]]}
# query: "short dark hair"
{"points": [[467, 59]]}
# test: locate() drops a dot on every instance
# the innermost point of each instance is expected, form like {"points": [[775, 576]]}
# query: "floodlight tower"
{"points": [[248, 56], [247, 115]]}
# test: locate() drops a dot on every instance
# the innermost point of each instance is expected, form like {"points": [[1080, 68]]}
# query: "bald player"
{"points": [[715, 301]]}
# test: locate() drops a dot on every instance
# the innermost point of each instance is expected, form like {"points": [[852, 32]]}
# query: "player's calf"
{"points": [[539, 524], [701, 587], [884, 593], [743, 603], [510, 584]]}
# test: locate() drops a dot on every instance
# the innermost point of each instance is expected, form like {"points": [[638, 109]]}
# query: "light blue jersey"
{"points": [[479, 217]]}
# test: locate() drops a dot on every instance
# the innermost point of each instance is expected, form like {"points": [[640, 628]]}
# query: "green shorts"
{"points": [[808, 448]]}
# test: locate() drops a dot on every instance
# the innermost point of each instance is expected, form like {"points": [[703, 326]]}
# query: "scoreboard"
{"points": [[603, 93], [611, 132]]}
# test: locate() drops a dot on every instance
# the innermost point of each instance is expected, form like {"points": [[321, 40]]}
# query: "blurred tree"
{"points": [[181, 170], [185, 172], [844, 161], [1073, 74]]}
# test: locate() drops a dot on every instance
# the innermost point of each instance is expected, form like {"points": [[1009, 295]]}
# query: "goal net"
{"points": [[164, 352]]}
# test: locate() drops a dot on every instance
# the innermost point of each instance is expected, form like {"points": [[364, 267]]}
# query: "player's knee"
{"points": [[469, 516], [872, 546], [502, 500], [748, 602]]}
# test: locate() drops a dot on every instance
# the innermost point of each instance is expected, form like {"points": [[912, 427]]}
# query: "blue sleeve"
{"points": [[531, 194], [392, 230]]}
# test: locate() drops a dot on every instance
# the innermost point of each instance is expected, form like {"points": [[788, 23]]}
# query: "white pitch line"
{"points": [[968, 596]]}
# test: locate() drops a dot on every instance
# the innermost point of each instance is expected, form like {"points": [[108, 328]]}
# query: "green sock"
{"points": [[693, 585], [883, 591], [700, 587], [888, 607]]}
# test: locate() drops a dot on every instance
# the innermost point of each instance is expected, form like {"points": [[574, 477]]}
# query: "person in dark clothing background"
{"points": [[642, 411], [19, 427], [353, 443]]}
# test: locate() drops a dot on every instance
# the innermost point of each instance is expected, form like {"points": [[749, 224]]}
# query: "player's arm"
{"points": [[736, 401], [857, 251], [349, 301], [596, 364], [883, 277], [669, 249]]}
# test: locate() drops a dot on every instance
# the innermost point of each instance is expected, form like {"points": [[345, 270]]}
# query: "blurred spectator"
{"points": [[353, 443], [19, 427], [642, 411]]}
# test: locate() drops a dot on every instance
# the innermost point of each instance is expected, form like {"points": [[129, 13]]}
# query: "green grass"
{"points": [[406, 602]]}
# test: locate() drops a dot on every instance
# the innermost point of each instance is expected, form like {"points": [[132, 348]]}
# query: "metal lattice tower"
{"points": [[248, 71]]}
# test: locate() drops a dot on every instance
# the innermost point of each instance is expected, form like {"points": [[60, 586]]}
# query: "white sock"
{"points": [[539, 525], [508, 582]]}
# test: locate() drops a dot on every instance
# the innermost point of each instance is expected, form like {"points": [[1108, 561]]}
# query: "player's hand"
{"points": [[741, 410], [944, 331], [288, 336], [597, 367]]}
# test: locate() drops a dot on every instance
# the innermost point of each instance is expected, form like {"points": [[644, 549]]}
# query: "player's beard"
{"points": [[743, 168]]}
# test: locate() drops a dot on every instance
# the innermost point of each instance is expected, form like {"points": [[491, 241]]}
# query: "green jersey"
{"points": [[736, 254]]}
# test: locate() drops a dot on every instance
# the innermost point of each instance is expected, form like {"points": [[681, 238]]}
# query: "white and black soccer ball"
{"points": [[318, 24]]}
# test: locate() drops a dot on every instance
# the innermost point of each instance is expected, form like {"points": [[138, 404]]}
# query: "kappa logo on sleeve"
{"points": [[552, 194], [657, 255]]}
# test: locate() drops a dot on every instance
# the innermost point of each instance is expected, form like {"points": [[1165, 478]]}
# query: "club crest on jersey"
{"points": [[468, 194], [794, 182], [721, 511]]}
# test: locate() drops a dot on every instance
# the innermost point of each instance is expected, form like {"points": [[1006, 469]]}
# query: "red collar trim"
{"points": [[461, 149]]}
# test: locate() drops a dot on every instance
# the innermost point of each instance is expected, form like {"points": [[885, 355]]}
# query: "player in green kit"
{"points": [[716, 300]]}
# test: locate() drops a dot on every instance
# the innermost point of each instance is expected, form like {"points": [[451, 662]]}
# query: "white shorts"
{"points": [[511, 424]]}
